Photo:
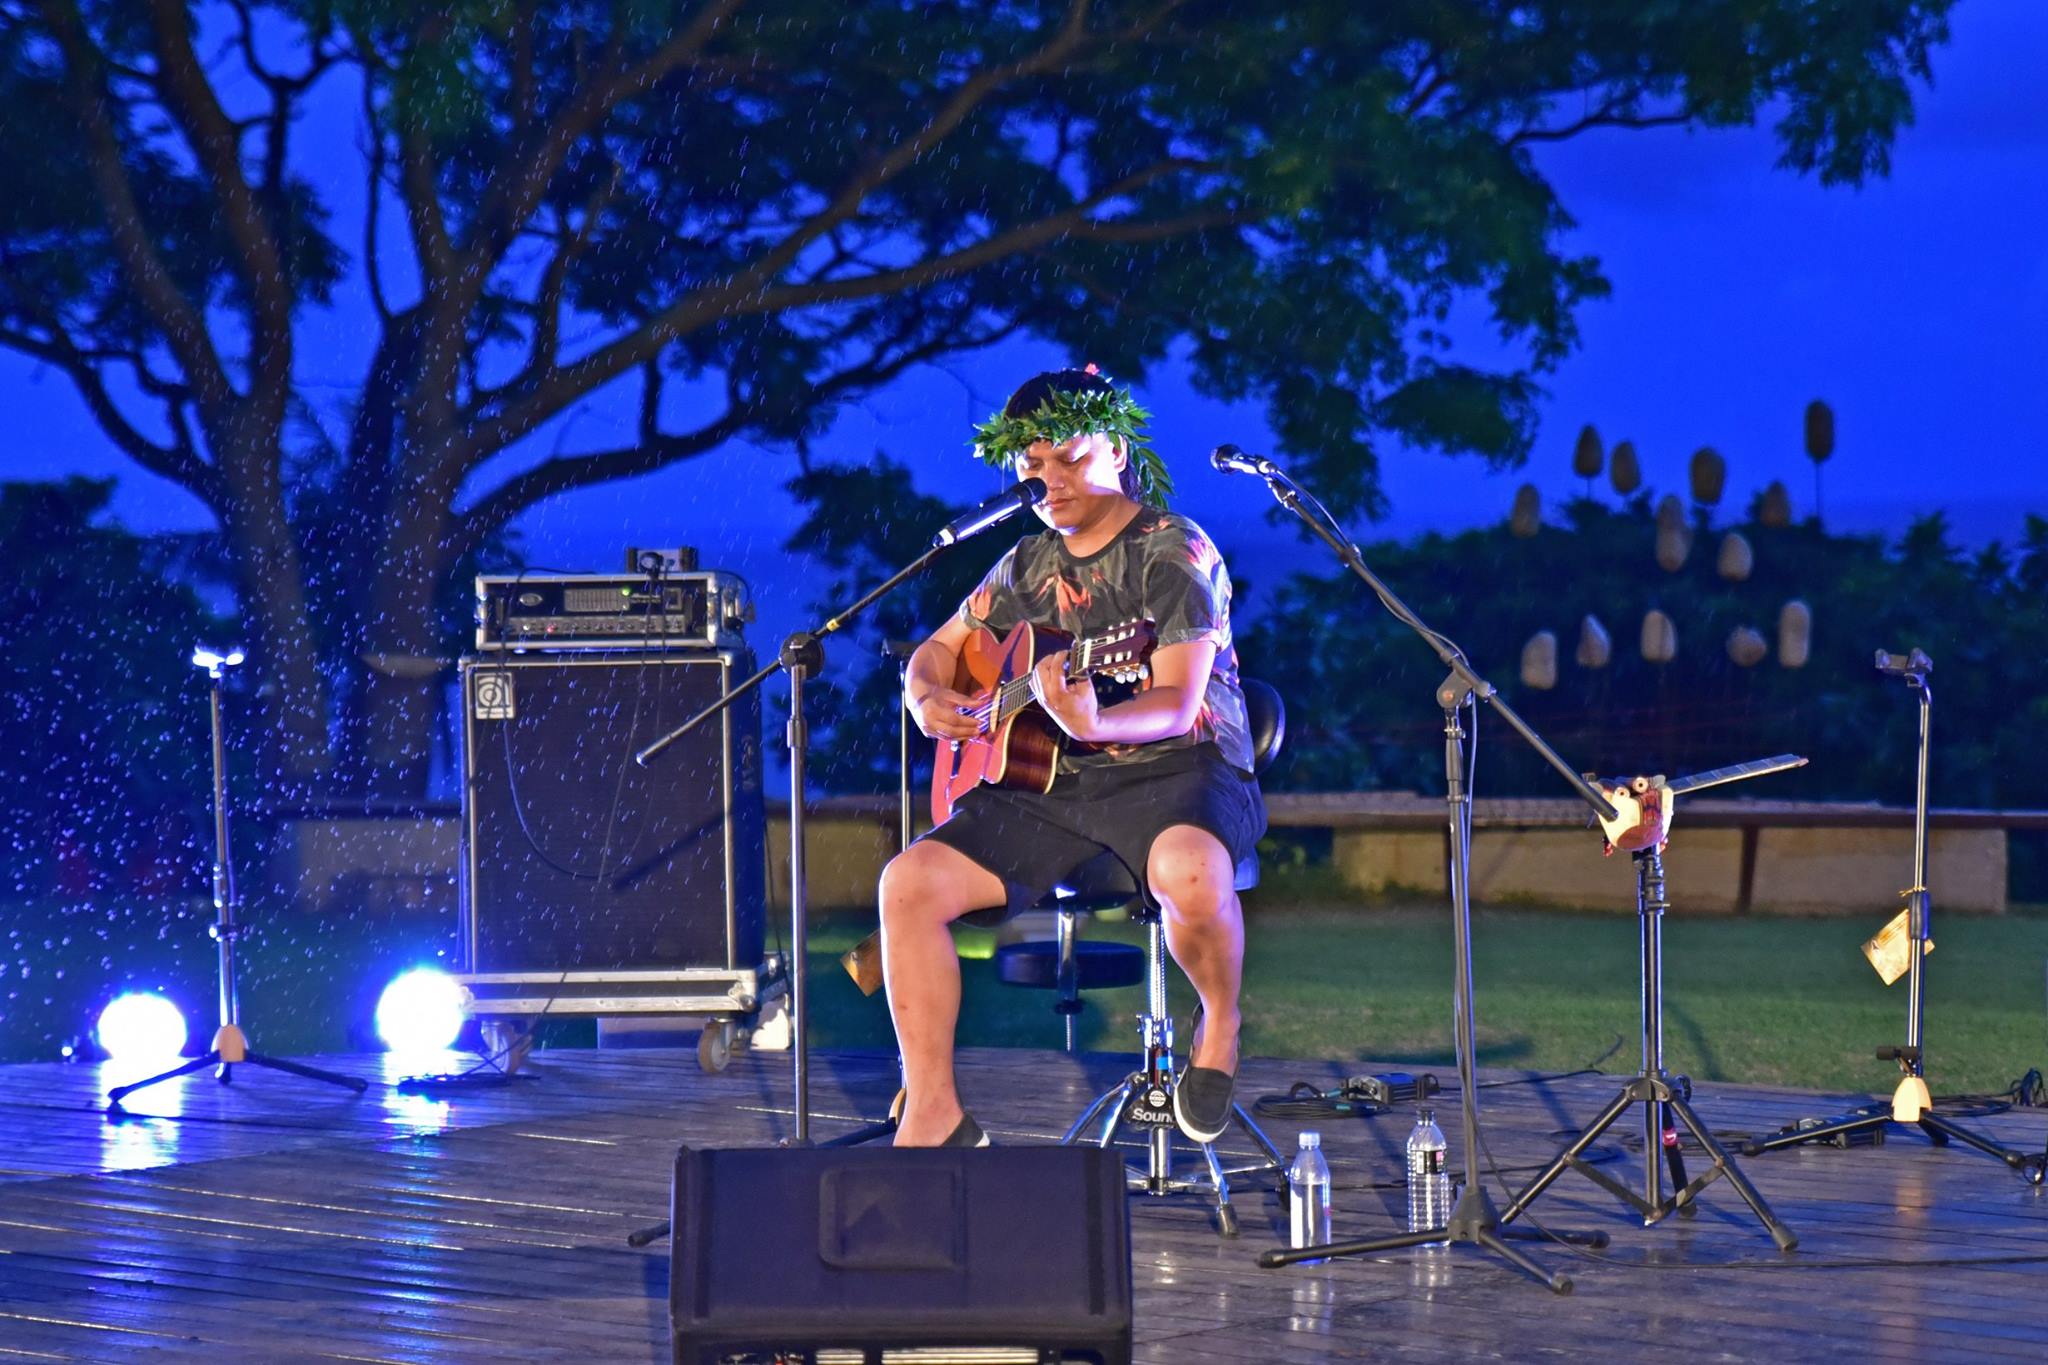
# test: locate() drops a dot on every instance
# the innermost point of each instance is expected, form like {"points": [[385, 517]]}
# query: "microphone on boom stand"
{"points": [[1007, 503], [1228, 459]]}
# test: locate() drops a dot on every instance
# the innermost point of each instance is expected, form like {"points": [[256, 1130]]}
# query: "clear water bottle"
{"points": [[1308, 1194], [1429, 1176]]}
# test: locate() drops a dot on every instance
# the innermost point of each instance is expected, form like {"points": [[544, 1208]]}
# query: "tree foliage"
{"points": [[1359, 686], [737, 217]]}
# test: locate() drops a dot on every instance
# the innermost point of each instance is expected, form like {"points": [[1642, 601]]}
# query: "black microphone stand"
{"points": [[230, 1047], [1911, 1103], [801, 656], [1473, 1221]]}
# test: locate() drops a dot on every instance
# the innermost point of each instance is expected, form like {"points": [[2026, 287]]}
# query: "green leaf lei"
{"points": [[1065, 415]]}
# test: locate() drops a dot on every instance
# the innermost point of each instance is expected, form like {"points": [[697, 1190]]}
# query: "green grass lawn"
{"points": [[1787, 1001]]}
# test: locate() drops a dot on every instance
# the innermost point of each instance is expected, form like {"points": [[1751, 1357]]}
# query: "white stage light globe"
{"points": [[420, 1011], [141, 1026]]}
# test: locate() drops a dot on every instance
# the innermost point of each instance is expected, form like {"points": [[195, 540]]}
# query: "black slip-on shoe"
{"points": [[1201, 1103], [966, 1133]]}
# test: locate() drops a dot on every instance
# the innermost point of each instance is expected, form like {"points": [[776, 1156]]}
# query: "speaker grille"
{"points": [[576, 857]]}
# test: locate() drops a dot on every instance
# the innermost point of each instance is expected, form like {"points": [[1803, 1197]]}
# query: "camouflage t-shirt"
{"points": [[1161, 568]]}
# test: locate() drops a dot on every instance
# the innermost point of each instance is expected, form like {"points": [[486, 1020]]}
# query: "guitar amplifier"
{"points": [[693, 610], [576, 858]]}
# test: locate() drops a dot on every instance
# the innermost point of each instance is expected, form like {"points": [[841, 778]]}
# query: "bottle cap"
{"points": [[1310, 1138]]}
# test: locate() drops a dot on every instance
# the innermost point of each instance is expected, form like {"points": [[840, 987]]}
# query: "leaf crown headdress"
{"points": [[1071, 403]]}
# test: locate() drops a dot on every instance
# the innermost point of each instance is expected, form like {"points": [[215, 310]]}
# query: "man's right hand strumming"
{"points": [[939, 712]]}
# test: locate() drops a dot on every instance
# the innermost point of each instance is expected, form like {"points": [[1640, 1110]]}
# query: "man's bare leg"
{"points": [[924, 889], [1192, 876]]}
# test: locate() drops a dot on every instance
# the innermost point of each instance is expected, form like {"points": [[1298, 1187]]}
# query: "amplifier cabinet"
{"points": [[576, 858]]}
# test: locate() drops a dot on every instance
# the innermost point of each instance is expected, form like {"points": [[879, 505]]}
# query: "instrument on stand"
{"points": [[1643, 805], [1641, 826]]}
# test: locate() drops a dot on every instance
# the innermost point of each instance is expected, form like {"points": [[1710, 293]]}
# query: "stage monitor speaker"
{"points": [[576, 857], [878, 1252]]}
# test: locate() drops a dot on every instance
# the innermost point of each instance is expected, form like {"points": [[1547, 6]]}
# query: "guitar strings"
{"points": [[1003, 693]]}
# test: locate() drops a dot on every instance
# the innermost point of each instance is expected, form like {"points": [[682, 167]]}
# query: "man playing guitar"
{"points": [[1163, 779]]}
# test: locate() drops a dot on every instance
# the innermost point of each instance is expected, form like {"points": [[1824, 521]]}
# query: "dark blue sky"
{"points": [[1916, 306]]}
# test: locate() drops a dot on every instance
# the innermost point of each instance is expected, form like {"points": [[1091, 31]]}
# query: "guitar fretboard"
{"points": [[1735, 772], [1013, 696]]}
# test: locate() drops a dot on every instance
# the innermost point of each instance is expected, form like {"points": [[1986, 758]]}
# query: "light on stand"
{"points": [[213, 660], [420, 1011], [140, 1027]]}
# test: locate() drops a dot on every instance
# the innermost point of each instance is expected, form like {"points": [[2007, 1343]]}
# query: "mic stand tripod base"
{"points": [[1472, 1223], [231, 1049], [1876, 1119], [1665, 1105]]}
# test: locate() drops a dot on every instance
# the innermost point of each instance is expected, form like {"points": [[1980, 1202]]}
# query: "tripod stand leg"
{"points": [[1226, 1216], [1471, 1223], [1725, 1165], [1792, 1137], [115, 1095], [1564, 1160], [1674, 1159], [1088, 1116], [1258, 1136], [1941, 1130], [1556, 1281], [311, 1073]]}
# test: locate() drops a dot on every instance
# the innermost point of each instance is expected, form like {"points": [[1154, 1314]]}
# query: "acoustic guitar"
{"points": [[1019, 744]]}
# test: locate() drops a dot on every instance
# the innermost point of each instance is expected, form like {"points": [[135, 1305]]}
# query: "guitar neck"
{"points": [[1014, 695], [1735, 772]]}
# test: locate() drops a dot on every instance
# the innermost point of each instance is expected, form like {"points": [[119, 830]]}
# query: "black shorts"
{"points": [[1030, 840]]}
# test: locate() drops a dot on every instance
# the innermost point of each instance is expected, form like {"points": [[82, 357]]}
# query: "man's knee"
{"points": [[923, 884], [1190, 872]]}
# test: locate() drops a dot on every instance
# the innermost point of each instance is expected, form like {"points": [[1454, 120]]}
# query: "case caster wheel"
{"points": [[714, 1046], [507, 1043]]}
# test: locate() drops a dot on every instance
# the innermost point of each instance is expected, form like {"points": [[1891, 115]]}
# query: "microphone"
{"points": [[1007, 503], [1228, 459]]}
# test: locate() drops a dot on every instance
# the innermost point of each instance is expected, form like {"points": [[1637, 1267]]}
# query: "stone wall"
{"points": [[1803, 871], [1728, 858]]}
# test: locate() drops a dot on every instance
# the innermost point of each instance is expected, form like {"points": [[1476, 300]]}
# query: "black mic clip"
{"points": [[1911, 664]]}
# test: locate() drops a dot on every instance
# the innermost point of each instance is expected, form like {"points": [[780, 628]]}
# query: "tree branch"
{"points": [[179, 462], [1526, 135], [527, 170], [743, 292], [183, 328], [886, 167], [558, 386], [561, 473], [217, 147], [373, 267], [554, 283]]}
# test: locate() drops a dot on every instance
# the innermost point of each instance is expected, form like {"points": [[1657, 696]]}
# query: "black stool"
{"points": [[1067, 964], [1144, 1099]]}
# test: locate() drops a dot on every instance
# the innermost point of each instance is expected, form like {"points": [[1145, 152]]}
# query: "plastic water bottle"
{"points": [[1429, 1177], [1308, 1194]]}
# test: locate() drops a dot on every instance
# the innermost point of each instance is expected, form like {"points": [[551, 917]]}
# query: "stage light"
{"points": [[141, 1026], [420, 1011]]}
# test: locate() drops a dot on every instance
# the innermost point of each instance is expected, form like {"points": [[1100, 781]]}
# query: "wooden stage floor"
{"points": [[278, 1220]]}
